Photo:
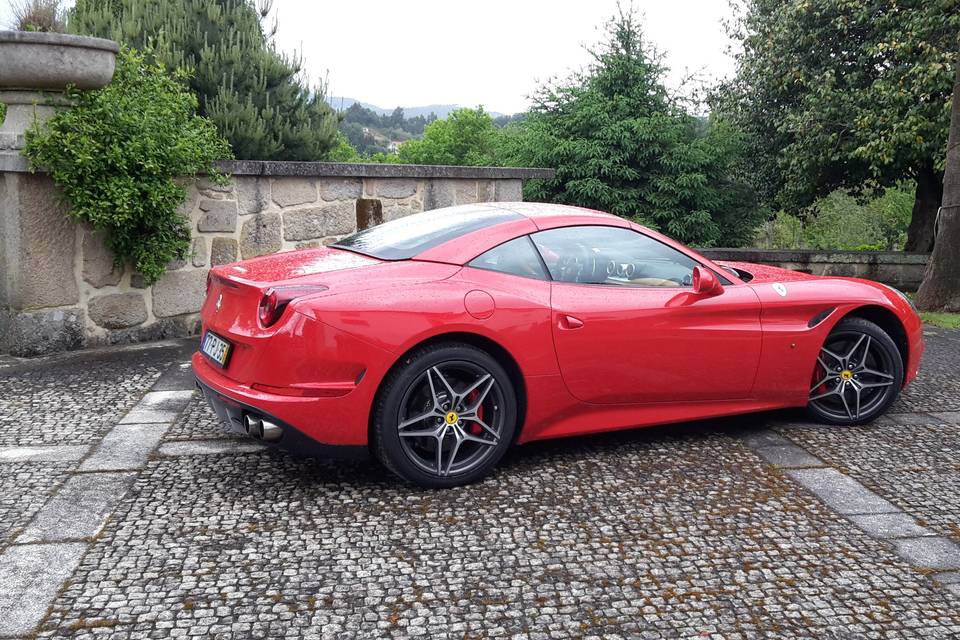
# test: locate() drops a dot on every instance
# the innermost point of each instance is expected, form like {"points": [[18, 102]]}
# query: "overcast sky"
{"points": [[494, 53]]}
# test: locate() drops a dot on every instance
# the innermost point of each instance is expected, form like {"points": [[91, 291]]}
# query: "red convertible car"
{"points": [[439, 340]]}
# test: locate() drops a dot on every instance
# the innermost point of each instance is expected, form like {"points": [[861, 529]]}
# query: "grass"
{"points": [[942, 320]]}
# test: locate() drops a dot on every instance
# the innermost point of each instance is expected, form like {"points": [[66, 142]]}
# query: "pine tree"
{"points": [[255, 95]]}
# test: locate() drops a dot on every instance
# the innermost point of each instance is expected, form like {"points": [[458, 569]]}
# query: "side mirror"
{"points": [[705, 282]]}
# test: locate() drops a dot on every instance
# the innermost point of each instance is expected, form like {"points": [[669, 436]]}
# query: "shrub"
{"points": [[116, 155], [38, 15], [840, 221]]}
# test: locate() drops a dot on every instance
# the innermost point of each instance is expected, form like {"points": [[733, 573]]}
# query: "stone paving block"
{"points": [[788, 456], [178, 377], [947, 577], [950, 417], [890, 525], [906, 418], [79, 510], [209, 447], [763, 438], [126, 446], [30, 577], [158, 406], [841, 493], [930, 553], [47, 453]]}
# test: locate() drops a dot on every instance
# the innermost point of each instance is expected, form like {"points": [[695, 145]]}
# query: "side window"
{"points": [[612, 256], [516, 257]]}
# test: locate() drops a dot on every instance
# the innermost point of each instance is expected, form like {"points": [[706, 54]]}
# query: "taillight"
{"points": [[276, 299], [209, 280]]}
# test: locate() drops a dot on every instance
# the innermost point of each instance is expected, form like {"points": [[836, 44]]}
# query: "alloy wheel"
{"points": [[451, 418], [853, 377]]}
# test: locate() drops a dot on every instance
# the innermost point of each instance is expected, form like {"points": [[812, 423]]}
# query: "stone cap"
{"points": [[374, 170], [60, 39], [804, 256]]}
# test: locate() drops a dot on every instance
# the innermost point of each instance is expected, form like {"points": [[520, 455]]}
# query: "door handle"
{"points": [[569, 322]]}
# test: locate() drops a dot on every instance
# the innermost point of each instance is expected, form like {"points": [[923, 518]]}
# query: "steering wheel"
{"points": [[577, 267]]}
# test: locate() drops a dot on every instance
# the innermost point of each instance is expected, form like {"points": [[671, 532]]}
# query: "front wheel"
{"points": [[445, 417], [858, 374]]}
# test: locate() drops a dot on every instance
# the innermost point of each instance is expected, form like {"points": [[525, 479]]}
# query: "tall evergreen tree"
{"points": [[255, 96], [620, 142]]}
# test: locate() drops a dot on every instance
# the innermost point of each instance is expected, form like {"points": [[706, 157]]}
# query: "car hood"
{"points": [[767, 273]]}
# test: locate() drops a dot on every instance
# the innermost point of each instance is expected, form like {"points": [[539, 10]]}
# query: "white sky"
{"points": [[494, 53]]}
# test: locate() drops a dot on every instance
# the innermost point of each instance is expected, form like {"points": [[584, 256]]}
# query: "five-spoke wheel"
{"points": [[858, 373], [446, 416]]}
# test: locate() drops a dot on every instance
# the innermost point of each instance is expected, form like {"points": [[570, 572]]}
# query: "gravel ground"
{"points": [[198, 422], [675, 532], [24, 487], [658, 534], [74, 401]]}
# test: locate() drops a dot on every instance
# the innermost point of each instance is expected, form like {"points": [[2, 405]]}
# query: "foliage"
{"points": [[116, 154], [843, 94], [465, 137], [841, 221], [38, 15], [942, 320], [253, 94], [620, 142], [343, 151], [371, 133]]}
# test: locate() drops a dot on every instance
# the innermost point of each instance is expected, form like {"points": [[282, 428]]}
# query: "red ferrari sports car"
{"points": [[439, 340]]}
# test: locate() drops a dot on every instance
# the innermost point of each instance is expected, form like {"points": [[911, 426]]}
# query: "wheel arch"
{"points": [[889, 322], [495, 349]]}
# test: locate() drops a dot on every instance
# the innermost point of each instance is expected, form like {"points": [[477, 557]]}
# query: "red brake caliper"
{"points": [[475, 429]]}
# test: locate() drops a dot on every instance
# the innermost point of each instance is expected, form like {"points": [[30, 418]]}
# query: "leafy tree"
{"points": [[466, 136], [621, 143], [846, 94], [253, 94], [940, 289], [118, 154]]}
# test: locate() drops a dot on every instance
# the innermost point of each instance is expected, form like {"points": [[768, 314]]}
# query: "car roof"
{"points": [[533, 217]]}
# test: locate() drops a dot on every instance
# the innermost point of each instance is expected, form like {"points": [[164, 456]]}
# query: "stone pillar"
{"points": [[39, 292]]}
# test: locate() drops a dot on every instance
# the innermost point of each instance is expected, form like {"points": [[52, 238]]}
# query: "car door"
{"points": [[628, 328]]}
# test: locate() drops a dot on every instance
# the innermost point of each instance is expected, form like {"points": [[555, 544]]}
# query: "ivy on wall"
{"points": [[116, 155]]}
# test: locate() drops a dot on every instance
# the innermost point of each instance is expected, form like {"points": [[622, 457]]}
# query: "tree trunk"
{"points": [[925, 205], [940, 290]]}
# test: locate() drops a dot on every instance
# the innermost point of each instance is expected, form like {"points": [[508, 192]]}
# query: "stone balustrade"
{"points": [[896, 268], [61, 289]]}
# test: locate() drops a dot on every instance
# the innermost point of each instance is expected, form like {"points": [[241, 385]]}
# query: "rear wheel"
{"points": [[858, 374], [445, 417]]}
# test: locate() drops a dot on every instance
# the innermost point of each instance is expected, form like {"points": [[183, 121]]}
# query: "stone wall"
{"points": [[895, 268], [61, 290]]}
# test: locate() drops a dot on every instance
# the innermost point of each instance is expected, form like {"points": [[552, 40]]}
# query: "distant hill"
{"points": [[442, 110]]}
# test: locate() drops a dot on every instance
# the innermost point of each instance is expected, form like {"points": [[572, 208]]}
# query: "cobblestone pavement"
{"points": [[713, 530]]}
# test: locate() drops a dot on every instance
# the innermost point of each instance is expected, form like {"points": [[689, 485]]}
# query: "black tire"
{"points": [[857, 376], [406, 395]]}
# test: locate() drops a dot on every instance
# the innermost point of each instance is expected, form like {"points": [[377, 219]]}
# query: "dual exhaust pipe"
{"points": [[261, 429]]}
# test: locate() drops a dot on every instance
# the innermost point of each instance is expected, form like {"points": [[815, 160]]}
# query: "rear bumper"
{"points": [[231, 401]]}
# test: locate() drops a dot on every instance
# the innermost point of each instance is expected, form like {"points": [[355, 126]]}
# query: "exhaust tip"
{"points": [[252, 425], [269, 431]]}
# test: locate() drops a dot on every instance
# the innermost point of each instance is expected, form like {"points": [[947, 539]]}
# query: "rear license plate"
{"points": [[216, 348]]}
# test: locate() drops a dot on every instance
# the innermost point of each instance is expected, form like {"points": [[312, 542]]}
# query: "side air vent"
{"points": [[820, 317]]}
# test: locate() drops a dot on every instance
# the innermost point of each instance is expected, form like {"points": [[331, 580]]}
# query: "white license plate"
{"points": [[216, 348]]}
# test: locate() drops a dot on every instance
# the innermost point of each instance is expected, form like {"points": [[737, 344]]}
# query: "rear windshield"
{"points": [[406, 237]]}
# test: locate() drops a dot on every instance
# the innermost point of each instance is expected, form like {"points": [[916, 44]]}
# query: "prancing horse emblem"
{"points": [[219, 301]]}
